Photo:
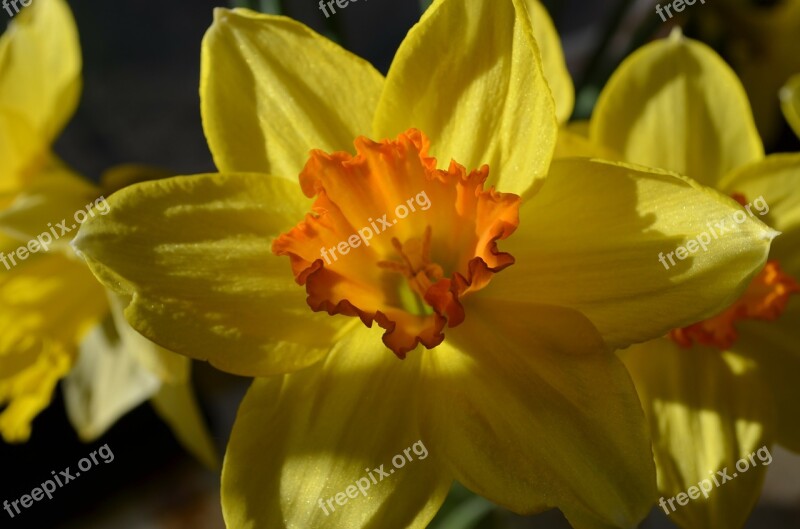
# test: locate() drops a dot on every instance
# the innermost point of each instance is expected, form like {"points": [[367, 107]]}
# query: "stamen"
{"points": [[418, 268]]}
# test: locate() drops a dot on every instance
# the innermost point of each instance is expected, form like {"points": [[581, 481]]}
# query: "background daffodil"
{"points": [[56, 321], [727, 382], [518, 395]]}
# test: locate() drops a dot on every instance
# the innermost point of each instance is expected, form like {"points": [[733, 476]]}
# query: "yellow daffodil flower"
{"points": [[55, 319], [721, 389], [517, 277]]}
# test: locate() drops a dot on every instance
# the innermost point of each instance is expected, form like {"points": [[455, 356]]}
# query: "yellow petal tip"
{"points": [[770, 234], [221, 14]]}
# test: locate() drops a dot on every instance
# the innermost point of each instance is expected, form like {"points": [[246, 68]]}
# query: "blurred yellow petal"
{"points": [[22, 152], [579, 127], [124, 175], [553, 62], [51, 205], [532, 412], [489, 105], [30, 391], [40, 66], [593, 237], [774, 345], [674, 104], [790, 103], [168, 367], [571, 144], [772, 186], [47, 304], [117, 370], [50, 296], [271, 90], [177, 405], [174, 399], [106, 383], [195, 254], [326, 429], [708, 410], [573, 140]]}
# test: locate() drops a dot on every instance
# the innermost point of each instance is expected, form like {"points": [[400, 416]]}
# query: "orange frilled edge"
{"points": [[765, 299], [394, 240]]}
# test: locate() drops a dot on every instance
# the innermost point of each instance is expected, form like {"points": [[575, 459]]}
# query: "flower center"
{"points": [[765, 299], [416, 266], [442, 244]]}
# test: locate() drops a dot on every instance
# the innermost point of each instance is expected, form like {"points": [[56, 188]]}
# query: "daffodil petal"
{"points": [[174, 399], [310, 437], [194, 252], [106, 382], [47, 304], [27, 393], [591, 239], [271, 90], [168, 367], [52, 205], [177, 405], [40, 66], [21, 149], [571, 144], [553, 63], [124, 175], [48, 296], [774, 346], [720, 400], [489, 105], [117, 370], [772, 188], [674, 104], [529, 409], [573, 140], [790, 103]]}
